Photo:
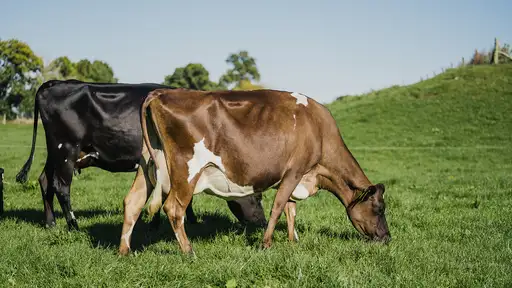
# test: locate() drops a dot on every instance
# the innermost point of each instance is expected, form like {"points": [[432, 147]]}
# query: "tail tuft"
{"points": [[22, 176]]}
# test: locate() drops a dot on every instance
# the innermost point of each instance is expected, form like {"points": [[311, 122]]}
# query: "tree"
{"points": [[97, 71], [60, 68], [244, 69], [19, 69], [193, 76], [247, 85]]}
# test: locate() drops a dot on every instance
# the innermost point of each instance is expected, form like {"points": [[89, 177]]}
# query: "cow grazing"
{"points": [[236, 143], [98, 125]]}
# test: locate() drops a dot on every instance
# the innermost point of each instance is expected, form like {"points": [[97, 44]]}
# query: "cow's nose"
{"points": [[384, 239]]}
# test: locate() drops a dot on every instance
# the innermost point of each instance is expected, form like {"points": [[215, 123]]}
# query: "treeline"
{"points": [[22, 71]]}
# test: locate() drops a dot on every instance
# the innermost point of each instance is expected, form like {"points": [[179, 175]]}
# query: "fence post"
{"points": [[496, 53]]}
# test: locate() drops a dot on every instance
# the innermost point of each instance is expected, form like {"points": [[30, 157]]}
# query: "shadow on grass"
{"points": [[36, 217], [108, 235]]}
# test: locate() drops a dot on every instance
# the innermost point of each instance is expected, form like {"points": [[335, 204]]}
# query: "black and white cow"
{"points": [[98, 125]]}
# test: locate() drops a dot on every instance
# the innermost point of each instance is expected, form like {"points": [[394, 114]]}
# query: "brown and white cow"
{"points": [[236, 143]]}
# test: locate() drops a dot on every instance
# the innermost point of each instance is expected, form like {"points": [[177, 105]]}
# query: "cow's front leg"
{"points": [[65, 203], [62, 178], [288, 184], [290, 212], [133, 204]]}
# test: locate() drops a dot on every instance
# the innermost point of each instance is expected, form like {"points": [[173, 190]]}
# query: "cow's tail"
{"points": [[22, 176], [156, 203]]}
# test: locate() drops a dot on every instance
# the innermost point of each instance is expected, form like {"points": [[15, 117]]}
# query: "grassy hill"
{"points": [[461, 107], [441, 146]]}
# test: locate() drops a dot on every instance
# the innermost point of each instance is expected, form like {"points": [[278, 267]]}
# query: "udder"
{"points": [[214, 181]]}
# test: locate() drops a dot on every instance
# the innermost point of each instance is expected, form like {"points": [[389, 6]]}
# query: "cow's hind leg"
{"points": [[189, 212], [47, 193], [288, 184], [175, 205], [133, 204]]}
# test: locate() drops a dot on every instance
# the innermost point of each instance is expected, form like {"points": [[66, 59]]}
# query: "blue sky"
{"points": [[321, 48]]}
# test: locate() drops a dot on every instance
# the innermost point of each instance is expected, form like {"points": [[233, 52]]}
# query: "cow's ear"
{"points": [[380, 187], [371, 190]]}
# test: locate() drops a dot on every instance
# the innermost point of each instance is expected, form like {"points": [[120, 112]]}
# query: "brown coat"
{"points": [[235, 143]]}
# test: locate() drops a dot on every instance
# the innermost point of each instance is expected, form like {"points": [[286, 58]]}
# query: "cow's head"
{"points": [[366, 212], [249, 210]]}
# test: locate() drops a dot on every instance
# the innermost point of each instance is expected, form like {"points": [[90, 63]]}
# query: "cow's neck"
{"points": [[352, 175]]}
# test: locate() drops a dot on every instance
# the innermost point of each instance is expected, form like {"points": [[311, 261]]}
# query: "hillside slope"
{"points": [[469, 106]]}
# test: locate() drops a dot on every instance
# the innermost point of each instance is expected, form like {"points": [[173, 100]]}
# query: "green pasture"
{"points": [[442, 147]]}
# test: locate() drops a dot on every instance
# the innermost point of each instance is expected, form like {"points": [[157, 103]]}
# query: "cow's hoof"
{"points": [[50, 225], [266, 245], [191, 254], [123, 251], [73, 225]]}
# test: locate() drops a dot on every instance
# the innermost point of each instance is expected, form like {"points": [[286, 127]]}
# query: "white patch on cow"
{"points": [[294, 122], [202, 157], [158, 176], [72, 215], [136, 166], [160, 182], [126, 236], [93, 155], [177, 238], [213, 181], [301, 98], [60, 145], [162, 165], [182, 220], [300, 192], [295, 234]]}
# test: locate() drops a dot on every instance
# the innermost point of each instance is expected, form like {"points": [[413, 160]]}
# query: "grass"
{"points": [[441, 146]]}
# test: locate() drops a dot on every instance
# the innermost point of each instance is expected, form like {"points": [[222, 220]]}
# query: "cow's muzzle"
{"points": [[385, 239]]}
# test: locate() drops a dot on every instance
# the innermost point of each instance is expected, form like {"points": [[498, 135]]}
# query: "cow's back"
{"points": [[256, 133], [99, 117]]}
